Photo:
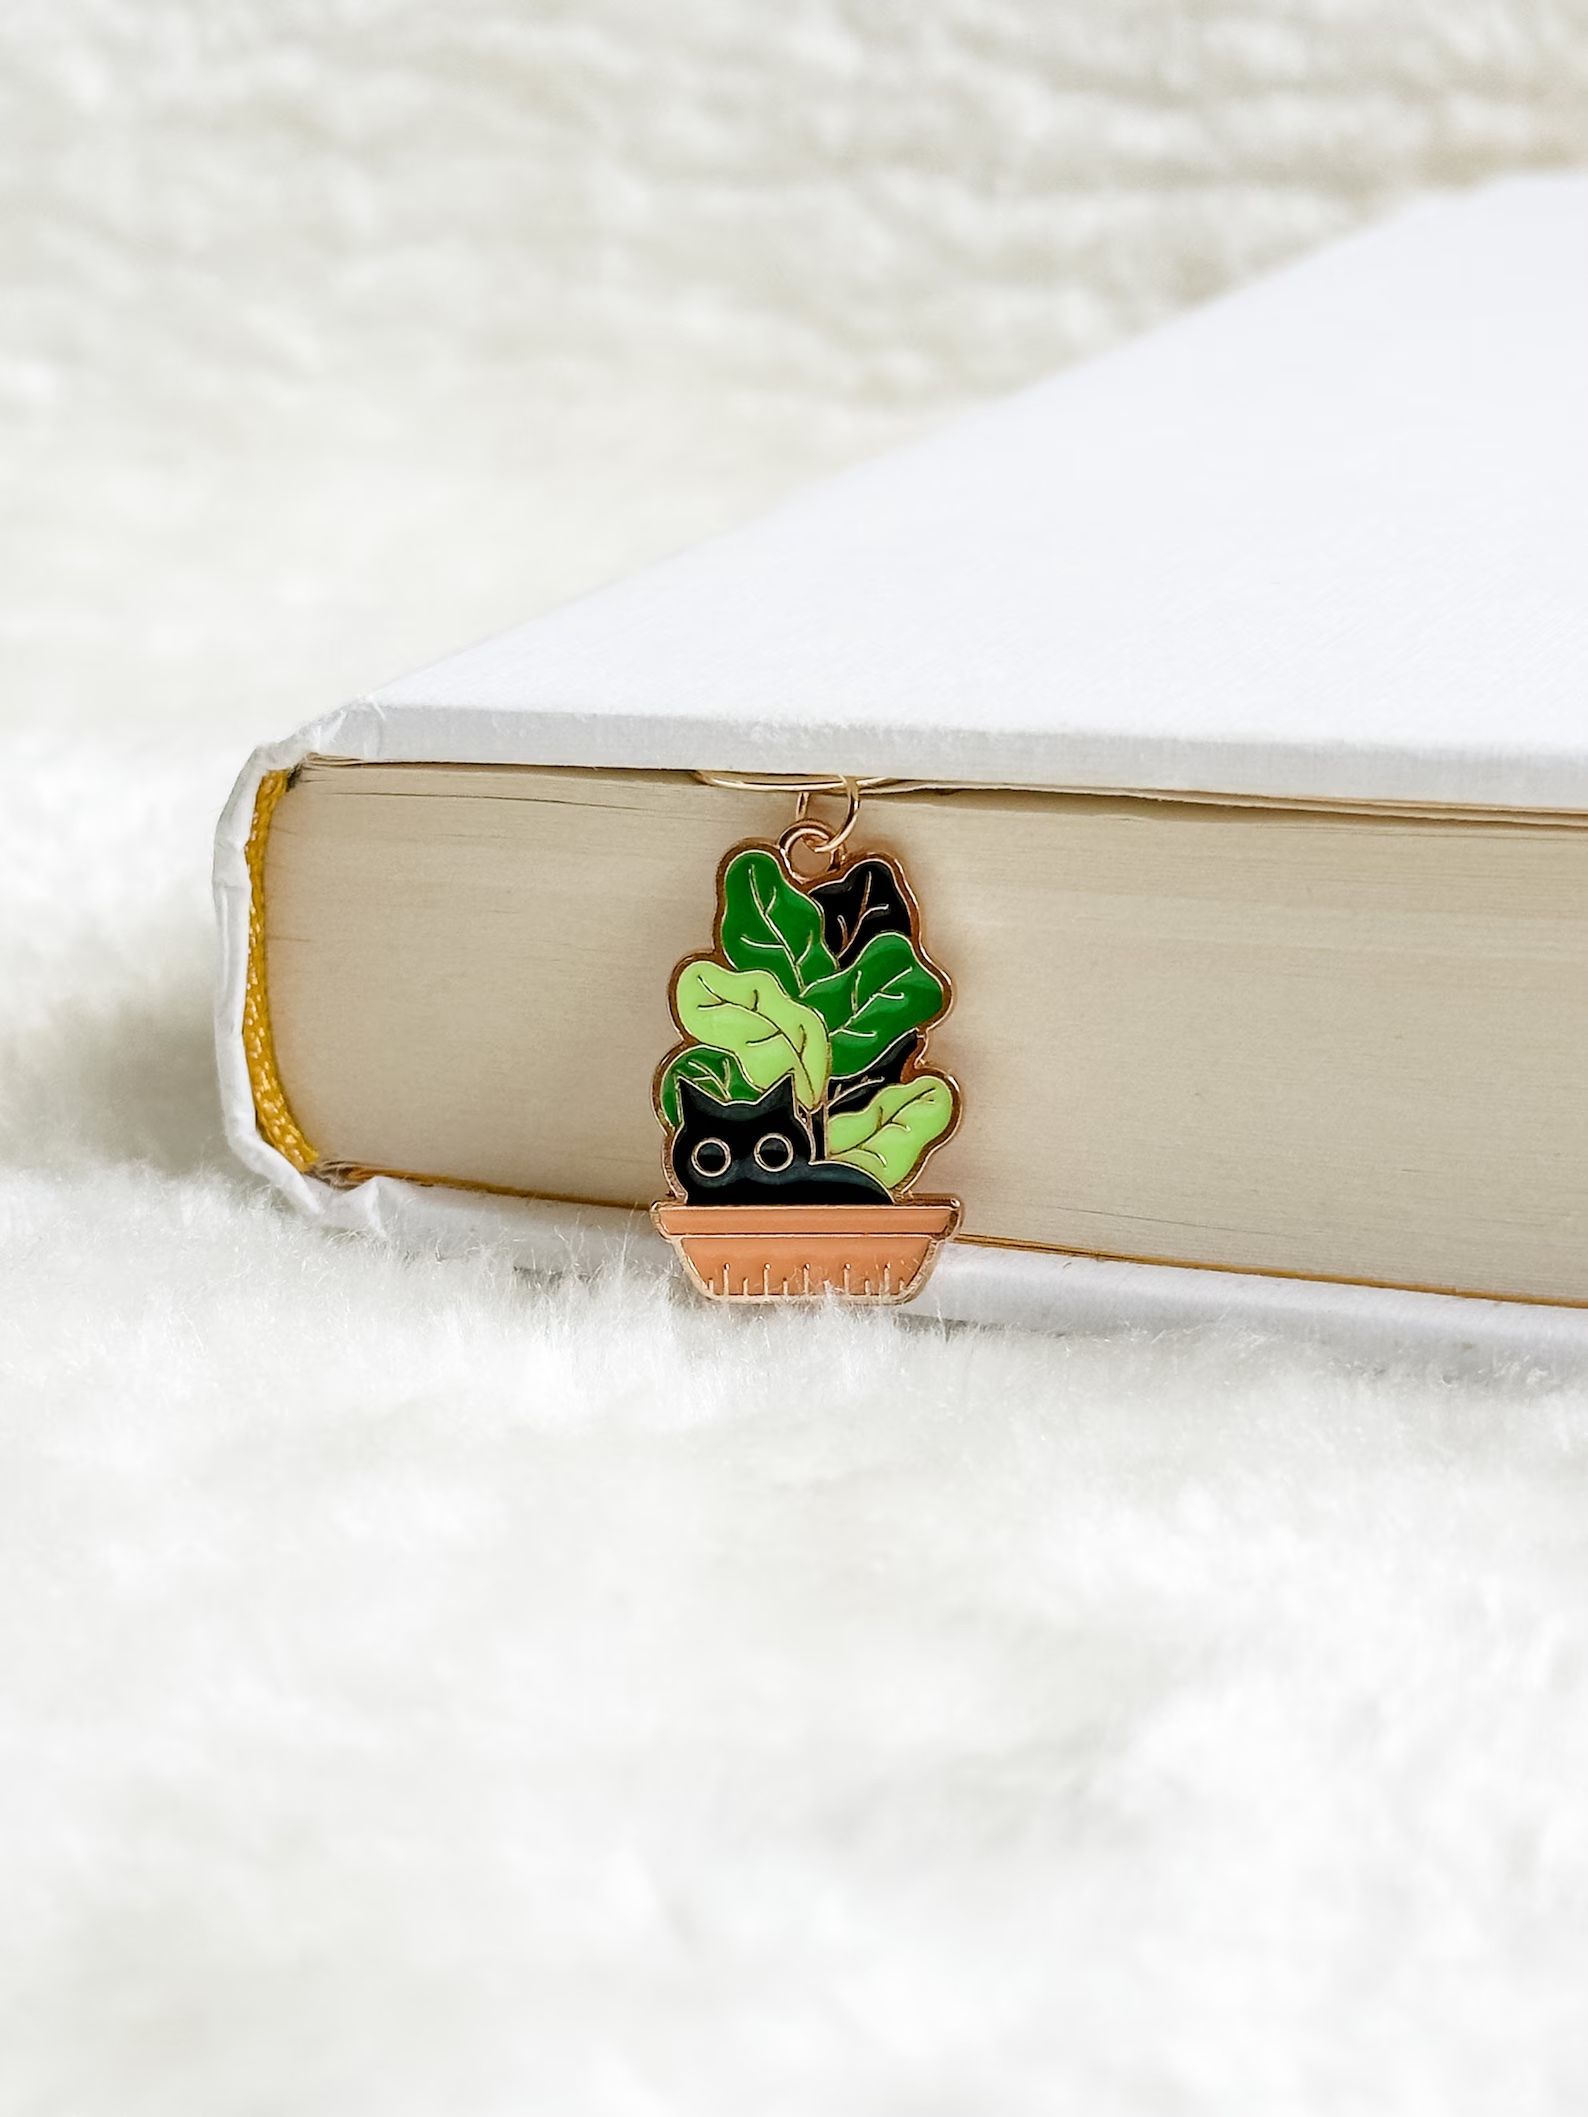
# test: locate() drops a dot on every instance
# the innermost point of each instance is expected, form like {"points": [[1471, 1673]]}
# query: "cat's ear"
{"points": [[696, 1105], [866, 899], [778, 1106]]}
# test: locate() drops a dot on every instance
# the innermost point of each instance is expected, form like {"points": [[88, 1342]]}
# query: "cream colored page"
{"points": [[1278, 1041]]}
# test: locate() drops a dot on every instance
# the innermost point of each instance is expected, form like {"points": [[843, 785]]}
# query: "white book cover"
{"points": [[1324, 539]]}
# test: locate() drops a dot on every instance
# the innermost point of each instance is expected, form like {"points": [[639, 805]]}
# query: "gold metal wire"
{"points": [[807, 783], [883, 789]]}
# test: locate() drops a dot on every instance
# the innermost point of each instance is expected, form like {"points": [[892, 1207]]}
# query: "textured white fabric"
{"points": [[424, 1688]]}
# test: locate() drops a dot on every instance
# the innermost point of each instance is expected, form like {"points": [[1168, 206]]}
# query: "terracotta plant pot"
{"points": [[761, 1253]]}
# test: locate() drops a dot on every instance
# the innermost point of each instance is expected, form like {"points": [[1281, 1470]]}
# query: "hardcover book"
{"points": [[1225, 701]]}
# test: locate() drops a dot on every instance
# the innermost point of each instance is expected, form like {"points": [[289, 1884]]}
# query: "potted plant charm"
{"points": [[799, 1109]]}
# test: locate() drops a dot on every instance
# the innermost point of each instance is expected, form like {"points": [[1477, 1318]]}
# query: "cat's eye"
{"points": [[774, 1151], [710, 1157]]}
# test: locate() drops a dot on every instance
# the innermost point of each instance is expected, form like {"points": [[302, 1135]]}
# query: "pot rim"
{"points": [[924, 1216]]}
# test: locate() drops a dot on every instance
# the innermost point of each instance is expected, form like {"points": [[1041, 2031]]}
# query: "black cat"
{"points": [[744, 1154]]}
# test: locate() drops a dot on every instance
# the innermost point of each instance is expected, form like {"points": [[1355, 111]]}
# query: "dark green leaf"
{"points": [[768, 923], [885, 993]]}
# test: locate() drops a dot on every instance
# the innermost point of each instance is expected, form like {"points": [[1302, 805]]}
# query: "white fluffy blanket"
{"points": [[423, 1690]]}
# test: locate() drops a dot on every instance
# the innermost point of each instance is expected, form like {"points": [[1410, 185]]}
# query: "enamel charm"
{"points": [[800, 1107]]}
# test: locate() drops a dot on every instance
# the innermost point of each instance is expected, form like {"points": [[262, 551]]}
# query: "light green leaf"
{"points": [[889, 1136], [768, 923], [887, 991], [747, 1013], [718, 1072]]}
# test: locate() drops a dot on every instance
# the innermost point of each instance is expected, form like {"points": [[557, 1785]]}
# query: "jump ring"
{"points": [[816, 834], [806, 826]]}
